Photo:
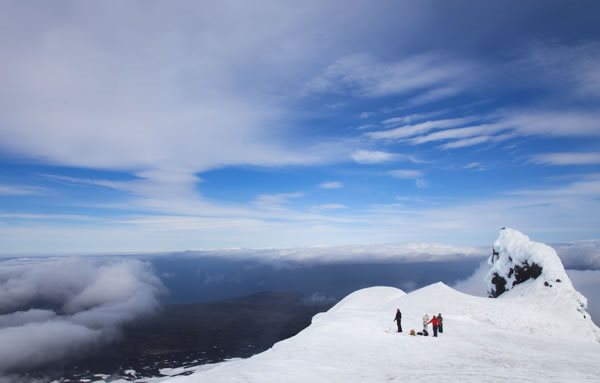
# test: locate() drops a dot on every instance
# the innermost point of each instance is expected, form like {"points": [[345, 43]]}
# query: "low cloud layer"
{"points": [[587, 282], [475, 284], [582, 255], [397, 253], [53, 309]]}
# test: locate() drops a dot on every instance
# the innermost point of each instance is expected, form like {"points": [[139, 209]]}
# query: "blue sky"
{"points": [[152, 126]]}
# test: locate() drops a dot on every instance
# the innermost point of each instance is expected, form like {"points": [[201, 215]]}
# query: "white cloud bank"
{"points": [[581, 255], [475, 284], [397, 253], [84, 304], [587, 282]]}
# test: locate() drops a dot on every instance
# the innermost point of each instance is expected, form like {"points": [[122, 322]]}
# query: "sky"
{"points": [[164, 126]]}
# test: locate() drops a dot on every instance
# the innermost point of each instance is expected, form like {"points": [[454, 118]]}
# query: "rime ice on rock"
{"points": [[515, 260]]}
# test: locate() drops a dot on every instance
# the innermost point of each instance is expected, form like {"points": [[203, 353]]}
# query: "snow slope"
{"points": [[531, 333], [531, 337]]}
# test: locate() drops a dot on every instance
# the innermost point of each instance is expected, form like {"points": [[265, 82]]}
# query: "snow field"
{"points": [[493, 340], [531, 333]]}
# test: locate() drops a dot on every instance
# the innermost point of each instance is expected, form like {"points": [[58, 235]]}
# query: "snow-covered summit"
{"points": [[533, 332], [493, 340], [521, 266], [368, 299]]}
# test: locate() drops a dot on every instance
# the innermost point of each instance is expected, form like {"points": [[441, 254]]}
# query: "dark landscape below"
{"points": [[204, 320], [193, 334]]}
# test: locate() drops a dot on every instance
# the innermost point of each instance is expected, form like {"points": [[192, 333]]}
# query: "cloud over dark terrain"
{"points": [[62, 307], [73, 305]]}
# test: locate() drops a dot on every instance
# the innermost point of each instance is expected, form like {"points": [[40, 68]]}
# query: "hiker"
{"points": [[440, 323], [434, 323], [398, 319], [425, 323]]}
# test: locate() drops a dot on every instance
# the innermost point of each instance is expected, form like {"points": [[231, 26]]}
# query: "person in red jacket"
{"points": [[434, 323]]}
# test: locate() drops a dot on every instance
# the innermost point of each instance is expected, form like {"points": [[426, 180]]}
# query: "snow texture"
{"points": [[532, 333], [530, 337]]}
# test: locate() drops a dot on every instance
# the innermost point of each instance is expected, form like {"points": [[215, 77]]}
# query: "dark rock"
{"points": [[520, 273], [526, 271], [500, 284], [495, 255]]}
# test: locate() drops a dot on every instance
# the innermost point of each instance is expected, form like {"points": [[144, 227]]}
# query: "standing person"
{"points": [[434, 323], [398, 319], [441, 323], [425, 323]]}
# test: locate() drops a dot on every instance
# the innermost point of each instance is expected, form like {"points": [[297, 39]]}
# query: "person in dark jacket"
{"points": [[440, 323], [434, 323], [398, 320]]}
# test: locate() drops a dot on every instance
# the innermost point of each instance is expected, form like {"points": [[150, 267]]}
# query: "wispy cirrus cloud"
{"points": [[431, 96], [422, 183], [331, 185], [409, 119], [552, 213], [366, 127], [553, 123], [275, 201], [178, 94], [369, 157], [501, 126], [466, 142], [198, 115], [585, 187], [364, 76], [567, 158], [474, 166], [411, 174], [47, 217], [420, 128], [573, 68], [405, 173], [328, 206], [20, 190], [458, 133]]}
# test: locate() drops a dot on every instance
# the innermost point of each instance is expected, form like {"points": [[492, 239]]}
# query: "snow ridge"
{"points": [[532, 331], [494, 340]]}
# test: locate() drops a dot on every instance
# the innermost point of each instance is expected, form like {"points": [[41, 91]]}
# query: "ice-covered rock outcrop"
{"points": [[516, 259]]}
